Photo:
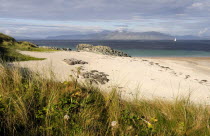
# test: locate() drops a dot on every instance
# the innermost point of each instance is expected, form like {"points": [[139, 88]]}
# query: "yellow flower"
{"points": [[76, 94], [149, 125], [154, 119]]}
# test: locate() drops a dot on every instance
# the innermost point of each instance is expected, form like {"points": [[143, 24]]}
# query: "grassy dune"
{"points": [[9, 49], [10, 54], [32, 105]]}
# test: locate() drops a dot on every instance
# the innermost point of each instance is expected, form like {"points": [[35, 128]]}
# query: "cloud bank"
{"points": [[67, 16]]}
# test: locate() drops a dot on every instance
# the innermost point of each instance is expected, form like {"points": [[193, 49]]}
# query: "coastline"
{"points": [[178, 58], [142, 77]]}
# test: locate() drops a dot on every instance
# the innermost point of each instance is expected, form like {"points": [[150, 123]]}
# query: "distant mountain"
{"points": [[190, 37], [116, 35]]}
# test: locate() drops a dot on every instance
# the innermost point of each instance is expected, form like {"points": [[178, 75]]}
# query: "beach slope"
{"points": [[165, 78]]}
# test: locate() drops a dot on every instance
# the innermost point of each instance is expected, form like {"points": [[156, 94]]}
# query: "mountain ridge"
{"points": [[116, 35], [121, 35]]}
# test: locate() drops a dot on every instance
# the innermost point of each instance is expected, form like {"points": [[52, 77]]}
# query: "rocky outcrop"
{"points": [[100, 49], [96, 77], [55, 48], [74, 61]]}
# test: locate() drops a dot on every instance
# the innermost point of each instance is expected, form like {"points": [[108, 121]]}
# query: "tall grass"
{"points": [[9, 50], [33, 105]]}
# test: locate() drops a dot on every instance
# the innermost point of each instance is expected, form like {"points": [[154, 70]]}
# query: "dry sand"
{"points": [[165, 78]]}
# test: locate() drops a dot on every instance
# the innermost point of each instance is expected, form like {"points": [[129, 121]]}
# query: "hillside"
{"points": [[9, 49], [4, 37]]}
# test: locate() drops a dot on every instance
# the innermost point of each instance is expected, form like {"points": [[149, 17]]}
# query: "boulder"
{"points": [[73, 61]]}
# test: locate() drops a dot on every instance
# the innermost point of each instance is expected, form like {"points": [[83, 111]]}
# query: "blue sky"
{"points": [[42, 18]]}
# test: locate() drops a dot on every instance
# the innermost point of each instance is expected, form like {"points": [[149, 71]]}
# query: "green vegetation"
{"points": [[32, 105], [4, 37], [9, 47], [27, 46], [8, 54]]}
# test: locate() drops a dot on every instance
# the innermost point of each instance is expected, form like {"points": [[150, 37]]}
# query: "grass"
{"points": [[4, 37], [27, 46], [37, 49], [9, 54], [9, 51], [32, 105]]}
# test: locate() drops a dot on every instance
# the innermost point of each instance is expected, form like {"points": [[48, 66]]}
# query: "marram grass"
{"points": [[9, 50], [31, 106]]}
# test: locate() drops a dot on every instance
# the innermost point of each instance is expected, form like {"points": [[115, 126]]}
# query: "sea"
{"points": [[141, 48]]}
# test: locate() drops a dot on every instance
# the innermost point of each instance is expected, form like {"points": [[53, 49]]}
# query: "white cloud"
{"points": [[201, 32], [197, 5], [8, 32]]}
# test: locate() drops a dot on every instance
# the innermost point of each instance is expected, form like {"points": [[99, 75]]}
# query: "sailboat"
{"points": [[175, 40]]}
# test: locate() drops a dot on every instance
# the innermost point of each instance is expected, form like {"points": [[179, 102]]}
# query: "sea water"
{"points": [[141, 48]]}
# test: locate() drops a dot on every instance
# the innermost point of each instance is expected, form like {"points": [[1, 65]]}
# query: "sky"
{"points": [[42, 18]]}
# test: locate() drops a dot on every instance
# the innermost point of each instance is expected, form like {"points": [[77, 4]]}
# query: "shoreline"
{"points": [[178, 58], [165, 78]]}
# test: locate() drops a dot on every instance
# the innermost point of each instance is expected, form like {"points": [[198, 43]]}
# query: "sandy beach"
{"points": [[165, 78]]}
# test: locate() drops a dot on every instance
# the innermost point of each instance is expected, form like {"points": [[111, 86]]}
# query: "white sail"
{"points": [[175, 40]]}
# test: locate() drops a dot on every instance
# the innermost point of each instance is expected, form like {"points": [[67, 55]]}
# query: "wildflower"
{"points": [[66, 117], [154, 119], [113, 123], [149, 125], [76, 94]]}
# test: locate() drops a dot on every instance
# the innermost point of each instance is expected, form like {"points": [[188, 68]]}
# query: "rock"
{"points": [[203, 81], [187, 76], [74, 61], [96, 77], [151, 63], [55, 48], [101, 73], [94, 71], [100, 49]]}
